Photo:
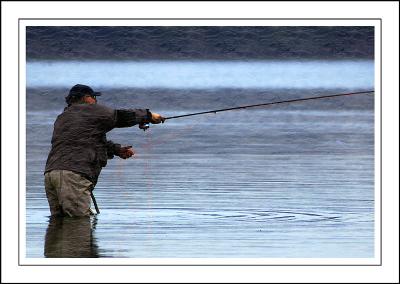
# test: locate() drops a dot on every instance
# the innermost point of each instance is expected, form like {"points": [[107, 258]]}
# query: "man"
{"points": [[80, 149]]}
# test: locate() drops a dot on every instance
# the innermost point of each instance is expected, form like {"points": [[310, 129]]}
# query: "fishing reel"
{"points": [[144, 126]]}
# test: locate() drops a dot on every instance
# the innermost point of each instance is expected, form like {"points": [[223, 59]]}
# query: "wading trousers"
{"points": [[68, 193]]}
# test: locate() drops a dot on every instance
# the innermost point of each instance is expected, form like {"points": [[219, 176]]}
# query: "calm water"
{"points": [[280, 182], [297, 185]]}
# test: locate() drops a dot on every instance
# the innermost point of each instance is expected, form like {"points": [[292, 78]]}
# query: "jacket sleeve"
{"points": [[131, 117], [112, 149]]}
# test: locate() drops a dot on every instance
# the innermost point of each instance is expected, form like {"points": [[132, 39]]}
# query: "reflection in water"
{"points": [[71, 237]]}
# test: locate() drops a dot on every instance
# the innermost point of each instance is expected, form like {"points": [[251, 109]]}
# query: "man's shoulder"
{"points": [[93, 108], [100, 107], [87, 110]]}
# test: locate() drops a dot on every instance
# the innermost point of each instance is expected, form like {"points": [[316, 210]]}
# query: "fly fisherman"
{"points": [[80, 149]]}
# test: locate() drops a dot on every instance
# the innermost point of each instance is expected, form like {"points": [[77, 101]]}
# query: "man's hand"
{"points": [[126, 152], [144, 126], [156, 118]]}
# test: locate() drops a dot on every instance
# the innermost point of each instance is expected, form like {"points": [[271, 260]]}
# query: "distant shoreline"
{"points": [[191, 42]]}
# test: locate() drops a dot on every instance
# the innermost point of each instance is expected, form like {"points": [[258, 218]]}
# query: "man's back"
{"points": [[79, 143]]}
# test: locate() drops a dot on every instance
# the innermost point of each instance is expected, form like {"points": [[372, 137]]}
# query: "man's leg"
{"points": [[74, 194], [52, 183]]}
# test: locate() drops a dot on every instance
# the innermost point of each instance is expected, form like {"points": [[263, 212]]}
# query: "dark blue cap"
{"points": [[82, 90], [79, 91]]}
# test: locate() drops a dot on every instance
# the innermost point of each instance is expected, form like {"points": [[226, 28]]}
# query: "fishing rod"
{"points": [[268, 104]]}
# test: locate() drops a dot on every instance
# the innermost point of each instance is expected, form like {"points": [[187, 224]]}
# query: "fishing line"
{"points": [[149, 182]]}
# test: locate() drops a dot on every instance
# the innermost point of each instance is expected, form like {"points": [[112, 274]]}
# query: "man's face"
{"points": [[90, 99]]}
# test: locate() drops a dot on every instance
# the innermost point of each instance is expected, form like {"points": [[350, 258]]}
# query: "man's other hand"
{"points": [[126, 152]]}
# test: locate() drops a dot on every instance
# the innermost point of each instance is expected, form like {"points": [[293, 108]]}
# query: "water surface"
{"points": [[266, 183]]}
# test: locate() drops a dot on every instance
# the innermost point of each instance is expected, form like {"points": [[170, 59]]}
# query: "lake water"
{"points": [[279, 182]]}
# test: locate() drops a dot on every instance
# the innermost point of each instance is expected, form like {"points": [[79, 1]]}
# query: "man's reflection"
{"points": [[71, 237]]}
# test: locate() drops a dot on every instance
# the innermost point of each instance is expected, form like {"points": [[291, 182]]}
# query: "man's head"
{"points": [[81, 94]]}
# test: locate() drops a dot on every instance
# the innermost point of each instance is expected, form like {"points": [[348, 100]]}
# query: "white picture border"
{"points": [[197, 261]]}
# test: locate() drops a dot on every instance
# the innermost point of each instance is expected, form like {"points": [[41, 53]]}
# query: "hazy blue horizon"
{"points": [[203, 74]]}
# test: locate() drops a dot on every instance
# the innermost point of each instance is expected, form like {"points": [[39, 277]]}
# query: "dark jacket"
{"points": [[79, 141]]}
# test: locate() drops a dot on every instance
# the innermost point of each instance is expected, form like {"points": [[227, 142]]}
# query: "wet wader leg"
{"points": [[75, 194]]}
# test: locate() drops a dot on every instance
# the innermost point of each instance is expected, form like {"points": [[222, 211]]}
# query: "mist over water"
{"points": [[350, 74]]}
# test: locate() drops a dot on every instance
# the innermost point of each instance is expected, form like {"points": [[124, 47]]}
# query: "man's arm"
{"points": [[131, 117], [114, 149]]}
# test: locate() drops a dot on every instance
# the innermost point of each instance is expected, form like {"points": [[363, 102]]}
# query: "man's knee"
{"points": [[75, 208]]}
